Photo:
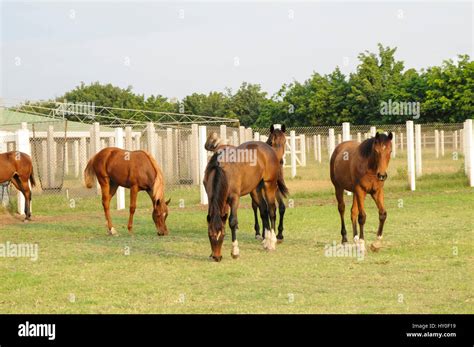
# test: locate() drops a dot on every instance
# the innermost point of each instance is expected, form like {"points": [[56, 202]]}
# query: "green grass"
{"points": [[417, 271]]}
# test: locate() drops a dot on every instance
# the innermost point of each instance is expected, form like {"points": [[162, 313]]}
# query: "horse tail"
{"points": [[220, 186], [89, 173], [32, 179], [212, 143], [281, 183]]}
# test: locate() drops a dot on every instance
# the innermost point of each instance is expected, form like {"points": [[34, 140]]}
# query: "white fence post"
{"points": [[401, 142], [469, 150], [346, 131], [121, 190], [51, 158], [441, 134], [248, 134], [128, 139], [436, 134], [22, 145], [315, 148], [202, 163], [373, 131], [150, 136], [75, 157], [331, 142], [418, 163], [411, 154], [256, 136], [292, 153], [319, 147], [303, 149], [223, 134], [195, 153], [241, 135]]}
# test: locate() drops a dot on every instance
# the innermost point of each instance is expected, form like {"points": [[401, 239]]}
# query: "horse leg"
{"points": [[255, 210], [133, 207], [360, 197], [270, 239], [341, 207], [259, 203], [25, 190], [106, 197], [281, 211], [354, 216], [27, 195], [234, 225], [378, 197]]}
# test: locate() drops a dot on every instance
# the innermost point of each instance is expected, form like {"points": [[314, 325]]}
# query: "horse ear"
{"points": [[168, 202], [283, 128], [377, 135], [390, 136], [272, 128]]}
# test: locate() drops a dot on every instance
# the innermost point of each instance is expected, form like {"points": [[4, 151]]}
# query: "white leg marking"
{"points": [[235, 249]]}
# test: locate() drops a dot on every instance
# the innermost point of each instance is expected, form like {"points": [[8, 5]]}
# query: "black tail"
{"points": [[32, 179], [281, 183], [220, 186]]}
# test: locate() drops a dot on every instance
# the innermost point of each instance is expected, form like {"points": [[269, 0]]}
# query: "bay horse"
{"points": [[361, 169], [17, 168], [277, 140], [137, 170], [228, 177]]}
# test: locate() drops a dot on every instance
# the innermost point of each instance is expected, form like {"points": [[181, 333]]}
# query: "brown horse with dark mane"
{"points": [[17, 168], [233, 172], [136, 170], [277, 140], [361, 169]]}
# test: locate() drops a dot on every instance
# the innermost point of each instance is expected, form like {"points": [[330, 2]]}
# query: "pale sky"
{"points": [[177, 48]]}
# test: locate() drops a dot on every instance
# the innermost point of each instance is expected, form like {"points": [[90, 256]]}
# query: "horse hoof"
{"points": [[113, 232], [235, 256], [259, 237], [279, 240]]}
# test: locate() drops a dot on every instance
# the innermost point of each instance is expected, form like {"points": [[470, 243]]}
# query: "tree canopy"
{"points": [[444, 93]]}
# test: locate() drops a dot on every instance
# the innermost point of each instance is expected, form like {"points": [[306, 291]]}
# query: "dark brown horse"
{"points": [[136, 170], [233, 172], [18, 168], [277, 140], [361, 169]]}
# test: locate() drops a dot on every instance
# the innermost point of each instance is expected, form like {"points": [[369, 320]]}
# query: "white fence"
{"points": [[180, 151]]}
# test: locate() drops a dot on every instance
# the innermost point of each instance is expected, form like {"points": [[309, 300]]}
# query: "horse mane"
{"points": [[158, 192], [365, 148], [220, 186]]}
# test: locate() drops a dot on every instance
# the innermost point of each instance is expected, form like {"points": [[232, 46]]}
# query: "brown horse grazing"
{"points": [[136, 170], [233, 172], [277, 140], [18, 168], [361, 169]]}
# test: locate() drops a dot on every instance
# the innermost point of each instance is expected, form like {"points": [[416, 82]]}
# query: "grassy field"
{"points": [[425, 264]]}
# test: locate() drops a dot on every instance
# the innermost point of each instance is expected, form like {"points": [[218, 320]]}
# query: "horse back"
{"points": [[344, 165], [126, 168]]}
